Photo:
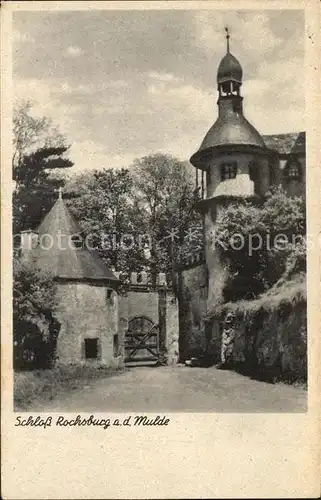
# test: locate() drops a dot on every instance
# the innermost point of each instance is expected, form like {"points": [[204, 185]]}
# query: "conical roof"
{"points": [[57, 254]]}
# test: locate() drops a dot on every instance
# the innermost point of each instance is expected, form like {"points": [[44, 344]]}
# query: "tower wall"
{"points": [[88, 311], [192, 308], [172, 329], [217, 273], [242, 185]]}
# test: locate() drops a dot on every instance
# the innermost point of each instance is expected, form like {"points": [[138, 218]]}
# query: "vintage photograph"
{"points": [[159, 211]]}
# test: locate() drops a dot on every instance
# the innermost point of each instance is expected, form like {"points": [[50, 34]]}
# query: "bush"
{"points": [[280, 225], [35, 329]]}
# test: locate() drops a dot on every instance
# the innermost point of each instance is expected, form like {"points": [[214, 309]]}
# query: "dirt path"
{"points": [[179, 389]]}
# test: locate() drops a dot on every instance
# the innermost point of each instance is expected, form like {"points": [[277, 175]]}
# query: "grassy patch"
{"points": [[44, 385]]}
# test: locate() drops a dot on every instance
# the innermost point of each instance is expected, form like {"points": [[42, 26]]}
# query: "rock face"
{"points": [[227, 342], [269, 345]]}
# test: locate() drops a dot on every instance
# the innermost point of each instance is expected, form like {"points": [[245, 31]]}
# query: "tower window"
{"points": [[109, 292], [228, 171], [91, 348], [293, 171], [253, 171]]}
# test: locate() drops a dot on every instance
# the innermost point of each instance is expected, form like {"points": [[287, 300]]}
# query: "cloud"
{"points": [[259, 39], [20, 37], [163, 77], [148, 81], [74, 51]]}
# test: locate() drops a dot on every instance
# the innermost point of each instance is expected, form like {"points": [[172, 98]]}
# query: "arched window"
{"points": [[293, 171], [228, 170]]}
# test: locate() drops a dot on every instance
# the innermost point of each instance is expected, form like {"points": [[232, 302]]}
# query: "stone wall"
{"points": [[87, 311], [143, 303], [266, 344], [192, 310], [172, 329]]}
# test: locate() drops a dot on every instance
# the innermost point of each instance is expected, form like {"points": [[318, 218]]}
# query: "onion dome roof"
{"points": [[229, 69]]}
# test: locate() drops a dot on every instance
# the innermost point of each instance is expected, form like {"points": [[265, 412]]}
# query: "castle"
{"points": [[234, 162], [97, 324]]}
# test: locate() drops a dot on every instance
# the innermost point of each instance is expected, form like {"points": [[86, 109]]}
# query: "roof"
{"points": [[58, 256], [231, 130], [229, 69], [292, 143]]}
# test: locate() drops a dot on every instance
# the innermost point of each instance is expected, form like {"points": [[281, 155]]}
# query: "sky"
{"points": [[125, 84]]}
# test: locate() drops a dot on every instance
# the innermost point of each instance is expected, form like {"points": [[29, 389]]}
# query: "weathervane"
{"points": [[227, 39]]}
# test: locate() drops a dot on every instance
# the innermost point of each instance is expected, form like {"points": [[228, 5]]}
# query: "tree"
{"points": [[35, 329], [261, 245], [104, 204], [142, 213], [38, 149], [164, 190]]}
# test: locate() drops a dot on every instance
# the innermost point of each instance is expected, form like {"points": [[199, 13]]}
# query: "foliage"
{"points": [[34, 327], [261, 244], [38, 149], [164, 190], [103, 202], [149, 202], [288, 293], [270, 332]]}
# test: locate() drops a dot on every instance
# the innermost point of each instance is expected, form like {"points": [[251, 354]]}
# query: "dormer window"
{"points": [[293, 171], [76, 241], [228, 171]]}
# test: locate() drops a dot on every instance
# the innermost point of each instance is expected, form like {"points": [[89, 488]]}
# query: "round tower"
{"points": [[235, 159]]}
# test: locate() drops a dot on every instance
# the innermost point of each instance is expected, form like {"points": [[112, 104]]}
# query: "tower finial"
{"points": [[227, 40]]}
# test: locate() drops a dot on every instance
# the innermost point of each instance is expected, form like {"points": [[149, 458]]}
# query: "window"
{"points": [[116, 345], [228, 171], [109, 291], [91, 348], [293, 171], [76, 241], [253, 171]]}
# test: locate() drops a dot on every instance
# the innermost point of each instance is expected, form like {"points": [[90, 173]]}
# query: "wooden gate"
{"points": [[141, 341]]}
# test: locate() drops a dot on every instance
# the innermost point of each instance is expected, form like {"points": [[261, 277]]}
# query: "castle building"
{"points": [[234, 162], [98, 326], [86, 290]]}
